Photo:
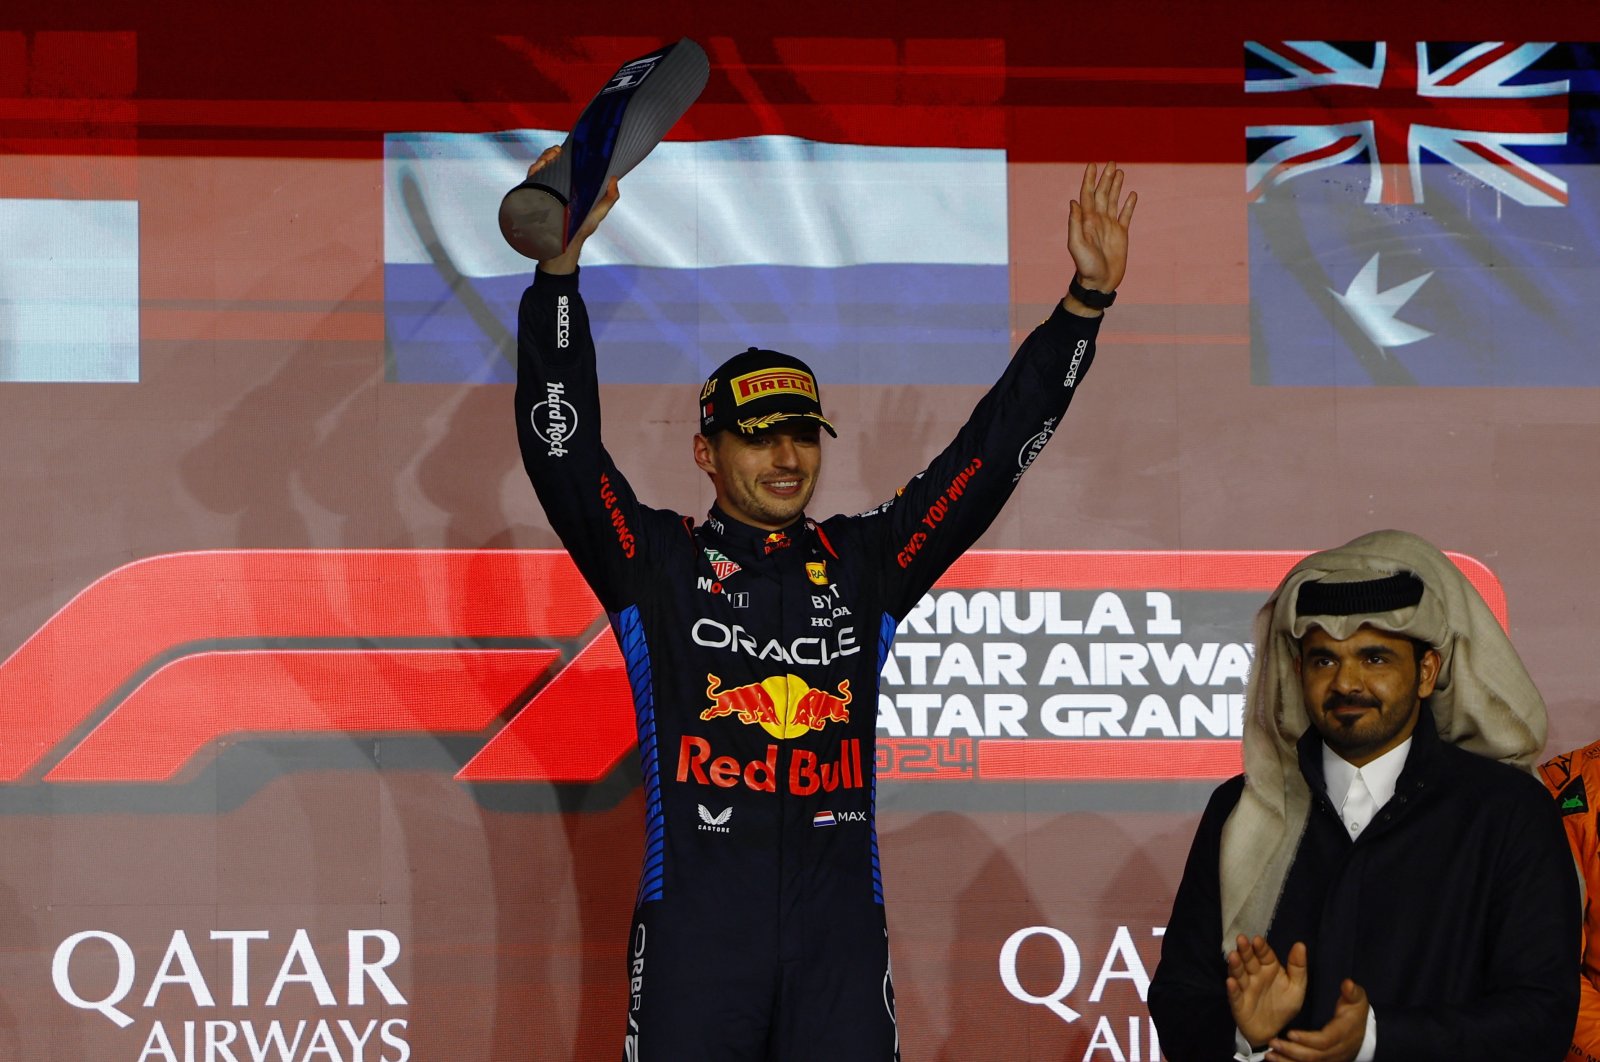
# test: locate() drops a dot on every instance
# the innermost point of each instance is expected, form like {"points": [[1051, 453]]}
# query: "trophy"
{"points": [[618, 128]]}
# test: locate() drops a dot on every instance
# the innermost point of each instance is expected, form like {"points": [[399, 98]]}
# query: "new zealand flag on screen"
{"points": [[1423, 213]]}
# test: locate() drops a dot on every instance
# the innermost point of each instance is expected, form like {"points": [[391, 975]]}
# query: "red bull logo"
{"points": [[782, 705], [806, 773]]}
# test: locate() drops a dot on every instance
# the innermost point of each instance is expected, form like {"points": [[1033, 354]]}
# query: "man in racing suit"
{"points": [[753, 642], [1574, 780]]}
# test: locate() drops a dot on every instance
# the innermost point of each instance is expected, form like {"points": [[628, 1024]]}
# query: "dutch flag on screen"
{"points": [[822, 818], [875, 264], [69, 291]]}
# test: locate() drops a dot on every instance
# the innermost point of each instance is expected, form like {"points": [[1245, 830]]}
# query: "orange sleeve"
{"points": [[1574, 780], [1586, 1037]]}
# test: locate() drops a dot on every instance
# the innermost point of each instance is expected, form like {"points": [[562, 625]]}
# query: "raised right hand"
{"points": [[567, 260]]}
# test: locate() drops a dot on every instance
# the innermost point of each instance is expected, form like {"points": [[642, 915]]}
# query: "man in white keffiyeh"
{"points": [[1385, 838]]}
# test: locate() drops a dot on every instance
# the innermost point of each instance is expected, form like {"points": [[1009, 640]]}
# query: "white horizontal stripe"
{"points": [[69, 290], [769, 200]]}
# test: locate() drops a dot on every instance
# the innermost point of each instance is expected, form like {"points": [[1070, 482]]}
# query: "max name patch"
{"points": [[754, 385]]}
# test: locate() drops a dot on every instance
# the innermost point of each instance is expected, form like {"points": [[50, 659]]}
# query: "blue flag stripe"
{"points": [[873, 324]]}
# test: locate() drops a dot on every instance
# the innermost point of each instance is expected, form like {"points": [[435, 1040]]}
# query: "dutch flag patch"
{"points": [[822, 818]]}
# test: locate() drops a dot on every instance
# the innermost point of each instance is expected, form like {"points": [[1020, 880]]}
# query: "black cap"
{"points": [[753, 391]]}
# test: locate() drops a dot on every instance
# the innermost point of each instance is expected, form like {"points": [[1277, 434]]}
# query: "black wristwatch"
{"points": [[1095, 300]]}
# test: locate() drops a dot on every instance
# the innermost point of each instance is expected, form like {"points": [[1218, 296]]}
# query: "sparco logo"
{"points": [[1077, 360], [563, 323], [554, 420]]}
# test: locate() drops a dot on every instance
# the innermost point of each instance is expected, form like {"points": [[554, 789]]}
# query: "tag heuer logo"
{"points": [[717, 823], [720, 564]]}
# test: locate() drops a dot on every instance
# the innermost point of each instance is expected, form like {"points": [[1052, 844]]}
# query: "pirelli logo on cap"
{"points": [[753, 385]]}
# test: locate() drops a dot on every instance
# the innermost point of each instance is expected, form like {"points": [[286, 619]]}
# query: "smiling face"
{"points": [[764, 479], [1364, 693]]}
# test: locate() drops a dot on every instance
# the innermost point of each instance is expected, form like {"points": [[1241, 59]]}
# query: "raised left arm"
{"points": [[942, 511]]}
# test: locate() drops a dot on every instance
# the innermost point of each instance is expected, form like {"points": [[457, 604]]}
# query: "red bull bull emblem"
{"points": [[782, 705]]}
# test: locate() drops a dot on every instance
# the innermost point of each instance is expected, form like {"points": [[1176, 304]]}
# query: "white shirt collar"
{"points": [[1381, 775]]}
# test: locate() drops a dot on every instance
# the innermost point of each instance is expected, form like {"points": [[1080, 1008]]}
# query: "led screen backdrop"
{"points": [[313, 745]]}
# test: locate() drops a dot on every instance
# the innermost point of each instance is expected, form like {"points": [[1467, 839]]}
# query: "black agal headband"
{"points": [[1388, 594]]}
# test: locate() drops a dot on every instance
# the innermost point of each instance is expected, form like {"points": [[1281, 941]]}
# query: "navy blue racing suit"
{"points": [[753, 657]]}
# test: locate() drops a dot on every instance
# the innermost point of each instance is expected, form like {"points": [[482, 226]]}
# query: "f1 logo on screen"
{"points": [[1018, 665]]}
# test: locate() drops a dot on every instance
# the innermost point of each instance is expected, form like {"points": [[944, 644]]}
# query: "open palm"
{"points": [[1262, 993], [1097, 227]]}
